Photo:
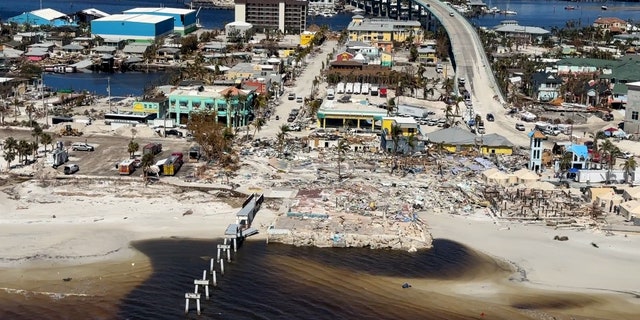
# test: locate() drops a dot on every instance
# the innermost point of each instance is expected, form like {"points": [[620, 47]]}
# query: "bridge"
{"points": [[469, 60], [468, 57]]}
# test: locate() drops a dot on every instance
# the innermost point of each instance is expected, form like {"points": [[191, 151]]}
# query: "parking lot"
{"points": [[109, 151]]}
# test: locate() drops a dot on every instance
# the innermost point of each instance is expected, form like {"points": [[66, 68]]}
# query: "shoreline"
{"points": [[94, 249], [536, 255]]}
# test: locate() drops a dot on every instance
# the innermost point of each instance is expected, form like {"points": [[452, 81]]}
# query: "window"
{"points": [[634, 115]]}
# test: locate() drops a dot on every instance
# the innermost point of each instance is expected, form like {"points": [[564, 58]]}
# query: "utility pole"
{"points": [[44, 105], [109, 92]]}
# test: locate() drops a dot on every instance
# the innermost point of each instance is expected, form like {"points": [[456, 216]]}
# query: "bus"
{"points": [[132, 119], [57, 119]]}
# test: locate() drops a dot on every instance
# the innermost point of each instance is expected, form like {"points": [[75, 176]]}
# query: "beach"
{"points": [[519, 271]]}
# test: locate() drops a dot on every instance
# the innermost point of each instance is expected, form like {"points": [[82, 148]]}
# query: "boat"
{"points": [[510, 12], [569, 8], [358, 11], [604, 8]]}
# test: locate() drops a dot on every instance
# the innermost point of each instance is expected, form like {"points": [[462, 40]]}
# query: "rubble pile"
{"points": [[548, 204], [365, 197]]}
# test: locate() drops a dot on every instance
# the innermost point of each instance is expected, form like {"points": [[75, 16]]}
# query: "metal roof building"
{"points": [[43, 17], [138, 27], [184, 20]]}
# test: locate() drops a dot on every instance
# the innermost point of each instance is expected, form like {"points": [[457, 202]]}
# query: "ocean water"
{"points": [[275, 282], [548, 14]]}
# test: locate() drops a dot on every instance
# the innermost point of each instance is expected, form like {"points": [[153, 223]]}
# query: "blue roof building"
{"points": [[137, 27], [580, 156], [43, 17], [184, 20]]}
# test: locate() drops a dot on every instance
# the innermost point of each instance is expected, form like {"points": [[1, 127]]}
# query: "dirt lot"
{"points": [[109, 150]]}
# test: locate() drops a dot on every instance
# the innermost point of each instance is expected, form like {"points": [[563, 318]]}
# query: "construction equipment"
{"points": [[68, 130]]}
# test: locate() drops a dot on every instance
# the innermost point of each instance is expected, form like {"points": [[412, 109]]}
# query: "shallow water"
{"points": [[284, 282], [262, 282]]}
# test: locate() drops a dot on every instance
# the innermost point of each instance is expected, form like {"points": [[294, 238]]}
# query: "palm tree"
{"points": [[4, 108], [448, 114], [396, 133], [478, 119], [457, 105], [343, 147], [227, 98], [9, 147], [36, 132], [24, 148], [565, 162], [46, 140], [281, 137], [146, 162], [611, 151], [258, 123], [412, 141], [132, 148], [30, 109], [630, 166]]}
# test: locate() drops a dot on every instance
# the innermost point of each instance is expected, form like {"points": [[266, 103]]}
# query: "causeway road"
{"points": [[472, 64]]}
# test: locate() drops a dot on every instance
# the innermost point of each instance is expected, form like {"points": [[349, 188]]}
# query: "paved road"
{"points": [[302, 87]]}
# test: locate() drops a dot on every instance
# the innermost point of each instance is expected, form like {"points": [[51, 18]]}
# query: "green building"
{"points": [[234, 113]]}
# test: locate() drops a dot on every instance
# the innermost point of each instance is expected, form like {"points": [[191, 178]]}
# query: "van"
{"points": [[71, 169], [330, 94], [374, 90]]}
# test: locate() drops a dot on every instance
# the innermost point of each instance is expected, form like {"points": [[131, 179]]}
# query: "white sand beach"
{"points": [[84, 221], [574, 265]]}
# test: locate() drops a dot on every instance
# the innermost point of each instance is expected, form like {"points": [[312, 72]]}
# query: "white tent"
{"points": [[523, 176]]}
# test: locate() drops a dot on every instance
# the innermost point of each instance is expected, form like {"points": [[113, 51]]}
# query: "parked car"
{"points": [[71, 168], [80, 146], [277, 117], [173, 132], [520, 126], [627, 155], [490, 117], [291, 96], [299, 99]]}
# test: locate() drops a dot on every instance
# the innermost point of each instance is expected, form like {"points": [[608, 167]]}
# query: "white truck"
{"points": [[365, 88], [348, 88], [58, 157], [330, 94], [356, 87]]}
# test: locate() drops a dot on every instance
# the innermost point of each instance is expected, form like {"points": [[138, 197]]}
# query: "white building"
{"points": [[632, 113], [535, 155], [288, 16]]}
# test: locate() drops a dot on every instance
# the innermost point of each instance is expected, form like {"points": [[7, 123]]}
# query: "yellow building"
{"points": [[408, 125], [456, 139], [383, 31], [306, 38]]}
